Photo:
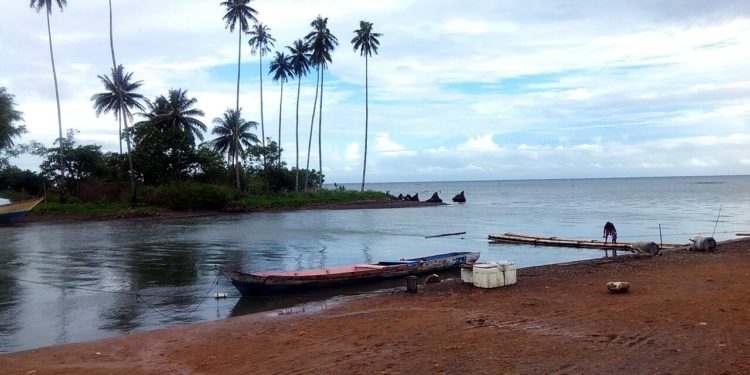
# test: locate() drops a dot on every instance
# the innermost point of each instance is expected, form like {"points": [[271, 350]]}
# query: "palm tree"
{"points": [[233, 133], [282, 70], [176, 111], [238, 12], [120, 98], [114, 66], [47, 5], [300, 60], [9, 115], [261, 42], [322, 43], [366, 42]]}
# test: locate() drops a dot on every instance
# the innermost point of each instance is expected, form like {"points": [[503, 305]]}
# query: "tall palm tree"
{"points": [[233, 133], [8, 116], [47, 5], [282, 70], [238, 13], [176, 110], [366, 42], [114, 66], [120, 97], [261, 42], [322, 42], [300, 60]]}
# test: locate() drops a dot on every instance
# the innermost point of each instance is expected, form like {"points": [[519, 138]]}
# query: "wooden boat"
{"points": [[17, 210], [260, 283]]}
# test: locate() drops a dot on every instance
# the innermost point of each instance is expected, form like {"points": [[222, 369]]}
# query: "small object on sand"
{"points": [[618, 286], [699, 243], [411, 284], [220, 295], [432, 279]]}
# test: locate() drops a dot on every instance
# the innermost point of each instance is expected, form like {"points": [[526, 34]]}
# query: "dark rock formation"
{"points": [[460, 198], [435, 198]]}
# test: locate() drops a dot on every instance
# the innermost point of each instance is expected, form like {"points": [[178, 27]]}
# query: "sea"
{"points": [[77, 281]]}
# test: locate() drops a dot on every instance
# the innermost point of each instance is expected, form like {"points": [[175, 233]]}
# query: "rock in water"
{"points": [[460, 198], [435, 198]]}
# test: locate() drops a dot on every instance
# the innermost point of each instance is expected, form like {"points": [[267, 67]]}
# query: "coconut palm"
{"points": [[261, 42], [47, 5], [282, 70], [238, 13], [233, 137], [176, 111], [120, 97], [300, 60], [366, 42], [114, 66], [322, 42], [8, 116]]}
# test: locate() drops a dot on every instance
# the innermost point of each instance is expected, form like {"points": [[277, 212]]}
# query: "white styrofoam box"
{"points": [[509, 272], [467, 274], [488, 275]]}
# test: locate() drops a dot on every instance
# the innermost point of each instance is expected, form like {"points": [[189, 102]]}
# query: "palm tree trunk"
{"points": [[262, 127], [119, 127], [367, 115], [131, 172], [236, 165], [239, 59], [296, 137], [281, 99], [312, 124], [59, 116], [114, 68], [320, 128]]}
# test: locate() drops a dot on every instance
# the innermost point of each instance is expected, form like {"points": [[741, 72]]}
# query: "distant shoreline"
{"points": [[129, 214]]}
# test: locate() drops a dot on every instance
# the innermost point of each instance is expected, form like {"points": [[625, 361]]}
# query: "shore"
{"points": [[128, 214], [686, 312]]}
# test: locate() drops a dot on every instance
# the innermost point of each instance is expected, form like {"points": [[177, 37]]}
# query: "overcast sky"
{"points": [[472, 90]]}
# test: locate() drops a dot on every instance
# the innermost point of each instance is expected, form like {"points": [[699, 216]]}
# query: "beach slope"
{"points": [[686, 312]]}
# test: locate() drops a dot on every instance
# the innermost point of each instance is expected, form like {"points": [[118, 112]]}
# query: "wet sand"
{"points": [[686, 312]]}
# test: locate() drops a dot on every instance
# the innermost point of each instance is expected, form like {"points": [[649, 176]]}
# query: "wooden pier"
{"points": [[528, 239]]}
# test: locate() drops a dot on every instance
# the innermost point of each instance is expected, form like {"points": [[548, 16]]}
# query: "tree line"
{"points": [[167, 143]]}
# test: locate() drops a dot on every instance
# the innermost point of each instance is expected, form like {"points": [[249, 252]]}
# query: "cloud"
{"points": [[386, 147]]}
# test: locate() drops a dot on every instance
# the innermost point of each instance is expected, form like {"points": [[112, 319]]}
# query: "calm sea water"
{"points": [[69, 282]]}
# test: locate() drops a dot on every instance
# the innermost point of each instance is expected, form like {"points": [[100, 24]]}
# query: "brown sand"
{"points": [[685, 313]]}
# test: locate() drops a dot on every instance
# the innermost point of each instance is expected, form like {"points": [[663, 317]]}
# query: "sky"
{"points": [[472, 90]]}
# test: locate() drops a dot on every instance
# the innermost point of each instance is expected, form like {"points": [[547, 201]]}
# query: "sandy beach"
{"points": [[686, 312]]}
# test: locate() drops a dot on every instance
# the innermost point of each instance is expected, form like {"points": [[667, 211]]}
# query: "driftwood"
{"points": [[446, 235], [518, 238]]}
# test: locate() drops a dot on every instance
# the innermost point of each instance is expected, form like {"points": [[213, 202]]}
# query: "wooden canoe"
{"points": [[17, 210], [264, 283]]}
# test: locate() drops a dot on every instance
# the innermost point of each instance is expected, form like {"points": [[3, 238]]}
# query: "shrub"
{"points": [[190, 196]]}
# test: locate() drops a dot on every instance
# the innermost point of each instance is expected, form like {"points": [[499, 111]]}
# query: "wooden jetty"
{"points": [[529, 239]]}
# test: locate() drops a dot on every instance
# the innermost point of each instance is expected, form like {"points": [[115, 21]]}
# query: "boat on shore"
{"points": [[263, 283], [17, 210]]}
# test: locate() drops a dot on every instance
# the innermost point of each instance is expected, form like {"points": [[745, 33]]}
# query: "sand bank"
{"points": [[686, 312]]}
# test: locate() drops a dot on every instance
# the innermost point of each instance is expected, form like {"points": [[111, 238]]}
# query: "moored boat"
{"points": [[17, 210], [260, 283]]}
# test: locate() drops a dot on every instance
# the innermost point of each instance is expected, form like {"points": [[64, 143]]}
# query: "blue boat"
{"points": [[17, 210], [264, 283]]}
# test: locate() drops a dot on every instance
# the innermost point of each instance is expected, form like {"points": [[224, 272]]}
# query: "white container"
{"points": [[488, 275], [467, 274], [509, 272]]}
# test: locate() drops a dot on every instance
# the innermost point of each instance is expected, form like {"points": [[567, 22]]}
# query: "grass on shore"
{"points": [[183, 200]]}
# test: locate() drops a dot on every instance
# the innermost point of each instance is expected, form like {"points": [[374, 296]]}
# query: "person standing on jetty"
{"points": [[609, 229]]}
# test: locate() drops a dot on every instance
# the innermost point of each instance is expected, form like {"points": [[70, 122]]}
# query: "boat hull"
{"points": [[17, 210], [264, 283]]}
